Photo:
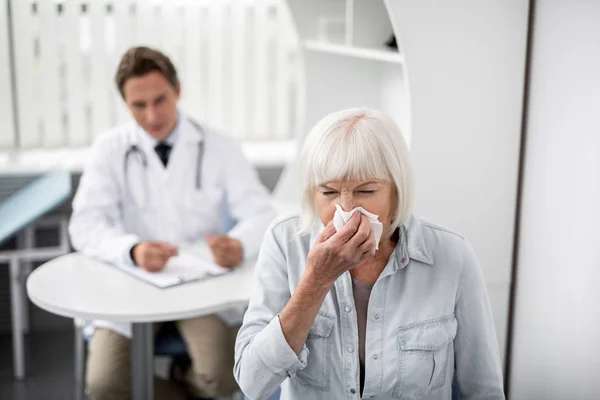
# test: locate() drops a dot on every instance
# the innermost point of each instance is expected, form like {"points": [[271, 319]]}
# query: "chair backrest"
{"points": [[287, 190], [455, 390], [33, 201], [226, 220]]}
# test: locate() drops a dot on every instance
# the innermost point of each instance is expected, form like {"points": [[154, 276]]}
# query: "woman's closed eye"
{"points": [[329, 193], [366, 192]]}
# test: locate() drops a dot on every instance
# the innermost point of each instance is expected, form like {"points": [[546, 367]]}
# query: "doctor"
{"points": [[150, 186]]}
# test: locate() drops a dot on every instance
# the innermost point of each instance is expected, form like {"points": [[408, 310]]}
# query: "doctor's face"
{"points": [[152, 101]]}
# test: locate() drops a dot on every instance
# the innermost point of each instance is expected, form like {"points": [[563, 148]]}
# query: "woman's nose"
{"points": [[347, 202]]}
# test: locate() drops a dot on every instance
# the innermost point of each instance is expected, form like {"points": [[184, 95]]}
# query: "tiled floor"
{"points": [[49, 367]]}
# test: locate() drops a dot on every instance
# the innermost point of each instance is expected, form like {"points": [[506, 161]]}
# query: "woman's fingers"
{"points": [[348, 240], [338, 252], [326, 233], [362, 233], [349, 230], [368, 248]]}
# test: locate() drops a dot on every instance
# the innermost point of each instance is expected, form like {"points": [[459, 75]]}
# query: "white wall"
{"points": [[465, 62], [7, 136], [342, 73], [556, 353]]}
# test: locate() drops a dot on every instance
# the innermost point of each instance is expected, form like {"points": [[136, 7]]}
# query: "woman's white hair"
{"points": [[355, 144]]}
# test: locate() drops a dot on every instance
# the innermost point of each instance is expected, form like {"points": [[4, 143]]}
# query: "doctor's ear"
{"points": [[178, 90]]}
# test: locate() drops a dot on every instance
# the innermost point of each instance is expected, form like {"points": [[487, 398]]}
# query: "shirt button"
{"points": [[352, 391], [403, 260], [376, 316], [375, 356], [350, 349], [348, 309]]}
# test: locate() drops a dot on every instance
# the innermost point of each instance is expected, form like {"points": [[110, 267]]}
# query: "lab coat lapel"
{"points": [[155, 167], [181, 169]]}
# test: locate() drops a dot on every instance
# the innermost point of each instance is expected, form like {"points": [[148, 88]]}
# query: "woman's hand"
{"points": [[332, 254], [337, 252]]}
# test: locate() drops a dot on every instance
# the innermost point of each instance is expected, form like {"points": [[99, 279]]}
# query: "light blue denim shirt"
{"points": [[429, 318]]}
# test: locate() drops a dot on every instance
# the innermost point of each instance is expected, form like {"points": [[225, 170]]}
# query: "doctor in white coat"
{"points": [[150, 186]]}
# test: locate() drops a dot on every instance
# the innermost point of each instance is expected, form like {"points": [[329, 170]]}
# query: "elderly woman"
{"points": [[338, 313]]}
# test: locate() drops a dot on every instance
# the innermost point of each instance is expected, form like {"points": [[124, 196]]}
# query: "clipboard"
{"points": [[183, 268]]}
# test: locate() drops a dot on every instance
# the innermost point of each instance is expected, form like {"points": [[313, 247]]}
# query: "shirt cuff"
{"points": [[248, 243], [128, 242], [276, 353]]}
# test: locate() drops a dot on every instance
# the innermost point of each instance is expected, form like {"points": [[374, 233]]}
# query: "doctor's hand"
{"points": [[227, 252], [153, 256]]}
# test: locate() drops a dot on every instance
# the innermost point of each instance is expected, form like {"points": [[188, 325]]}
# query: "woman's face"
{"points": [[374, 195]]}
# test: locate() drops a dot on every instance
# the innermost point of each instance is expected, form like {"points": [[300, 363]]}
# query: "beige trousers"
{"points": [[210, 343]]}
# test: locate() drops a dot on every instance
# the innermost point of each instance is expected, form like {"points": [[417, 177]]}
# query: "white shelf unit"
{"points": [[346, 60], [383, 55], [346, 65], [353, 23]]}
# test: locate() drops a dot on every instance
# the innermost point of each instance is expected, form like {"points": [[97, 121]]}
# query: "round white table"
{"points": [[77, 286]]}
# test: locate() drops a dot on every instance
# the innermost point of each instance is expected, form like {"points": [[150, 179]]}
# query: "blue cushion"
{"points": [[168, 341], [227, 222], [170, 344], [33, 201], [455, 391]]}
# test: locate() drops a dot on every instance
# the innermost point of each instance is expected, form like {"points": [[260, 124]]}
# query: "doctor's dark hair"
{"points": [[139, 61]]}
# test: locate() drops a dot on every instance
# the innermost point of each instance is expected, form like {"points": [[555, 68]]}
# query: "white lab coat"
{"points": [[117, 206]]}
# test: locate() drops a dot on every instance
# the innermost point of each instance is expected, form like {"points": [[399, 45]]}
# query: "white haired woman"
{"points": [[340, 313]]}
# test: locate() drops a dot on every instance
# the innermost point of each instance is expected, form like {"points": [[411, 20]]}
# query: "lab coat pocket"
{"points": [[425, 351], [140, 220], [319, 342], [203, 209]]}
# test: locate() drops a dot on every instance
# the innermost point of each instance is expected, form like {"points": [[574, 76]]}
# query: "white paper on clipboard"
{"points": [[183, 268]]}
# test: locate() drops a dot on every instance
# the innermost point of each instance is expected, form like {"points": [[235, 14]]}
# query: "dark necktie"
{"points": [[163, 150]]}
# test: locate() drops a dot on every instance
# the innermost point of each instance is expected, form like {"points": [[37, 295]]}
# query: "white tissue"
{"points": [[341, 217]]}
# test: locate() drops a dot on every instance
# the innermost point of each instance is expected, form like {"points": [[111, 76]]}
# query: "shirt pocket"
{"points": [[424, 350], [318, 363]]}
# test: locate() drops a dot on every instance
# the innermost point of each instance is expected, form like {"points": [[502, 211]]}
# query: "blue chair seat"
{"points": [[169, 342]]}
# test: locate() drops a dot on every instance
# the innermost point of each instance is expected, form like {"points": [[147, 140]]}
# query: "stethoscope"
{"points": [[134, 149]]}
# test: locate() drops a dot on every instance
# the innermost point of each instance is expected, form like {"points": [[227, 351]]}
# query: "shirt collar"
{"points": [[411, 244], [171, 139], [416, 239]]}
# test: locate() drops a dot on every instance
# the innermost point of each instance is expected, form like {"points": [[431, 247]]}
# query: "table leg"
{"points": [[16, 303], [79, 362], [25, 243], [142, 361]]}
